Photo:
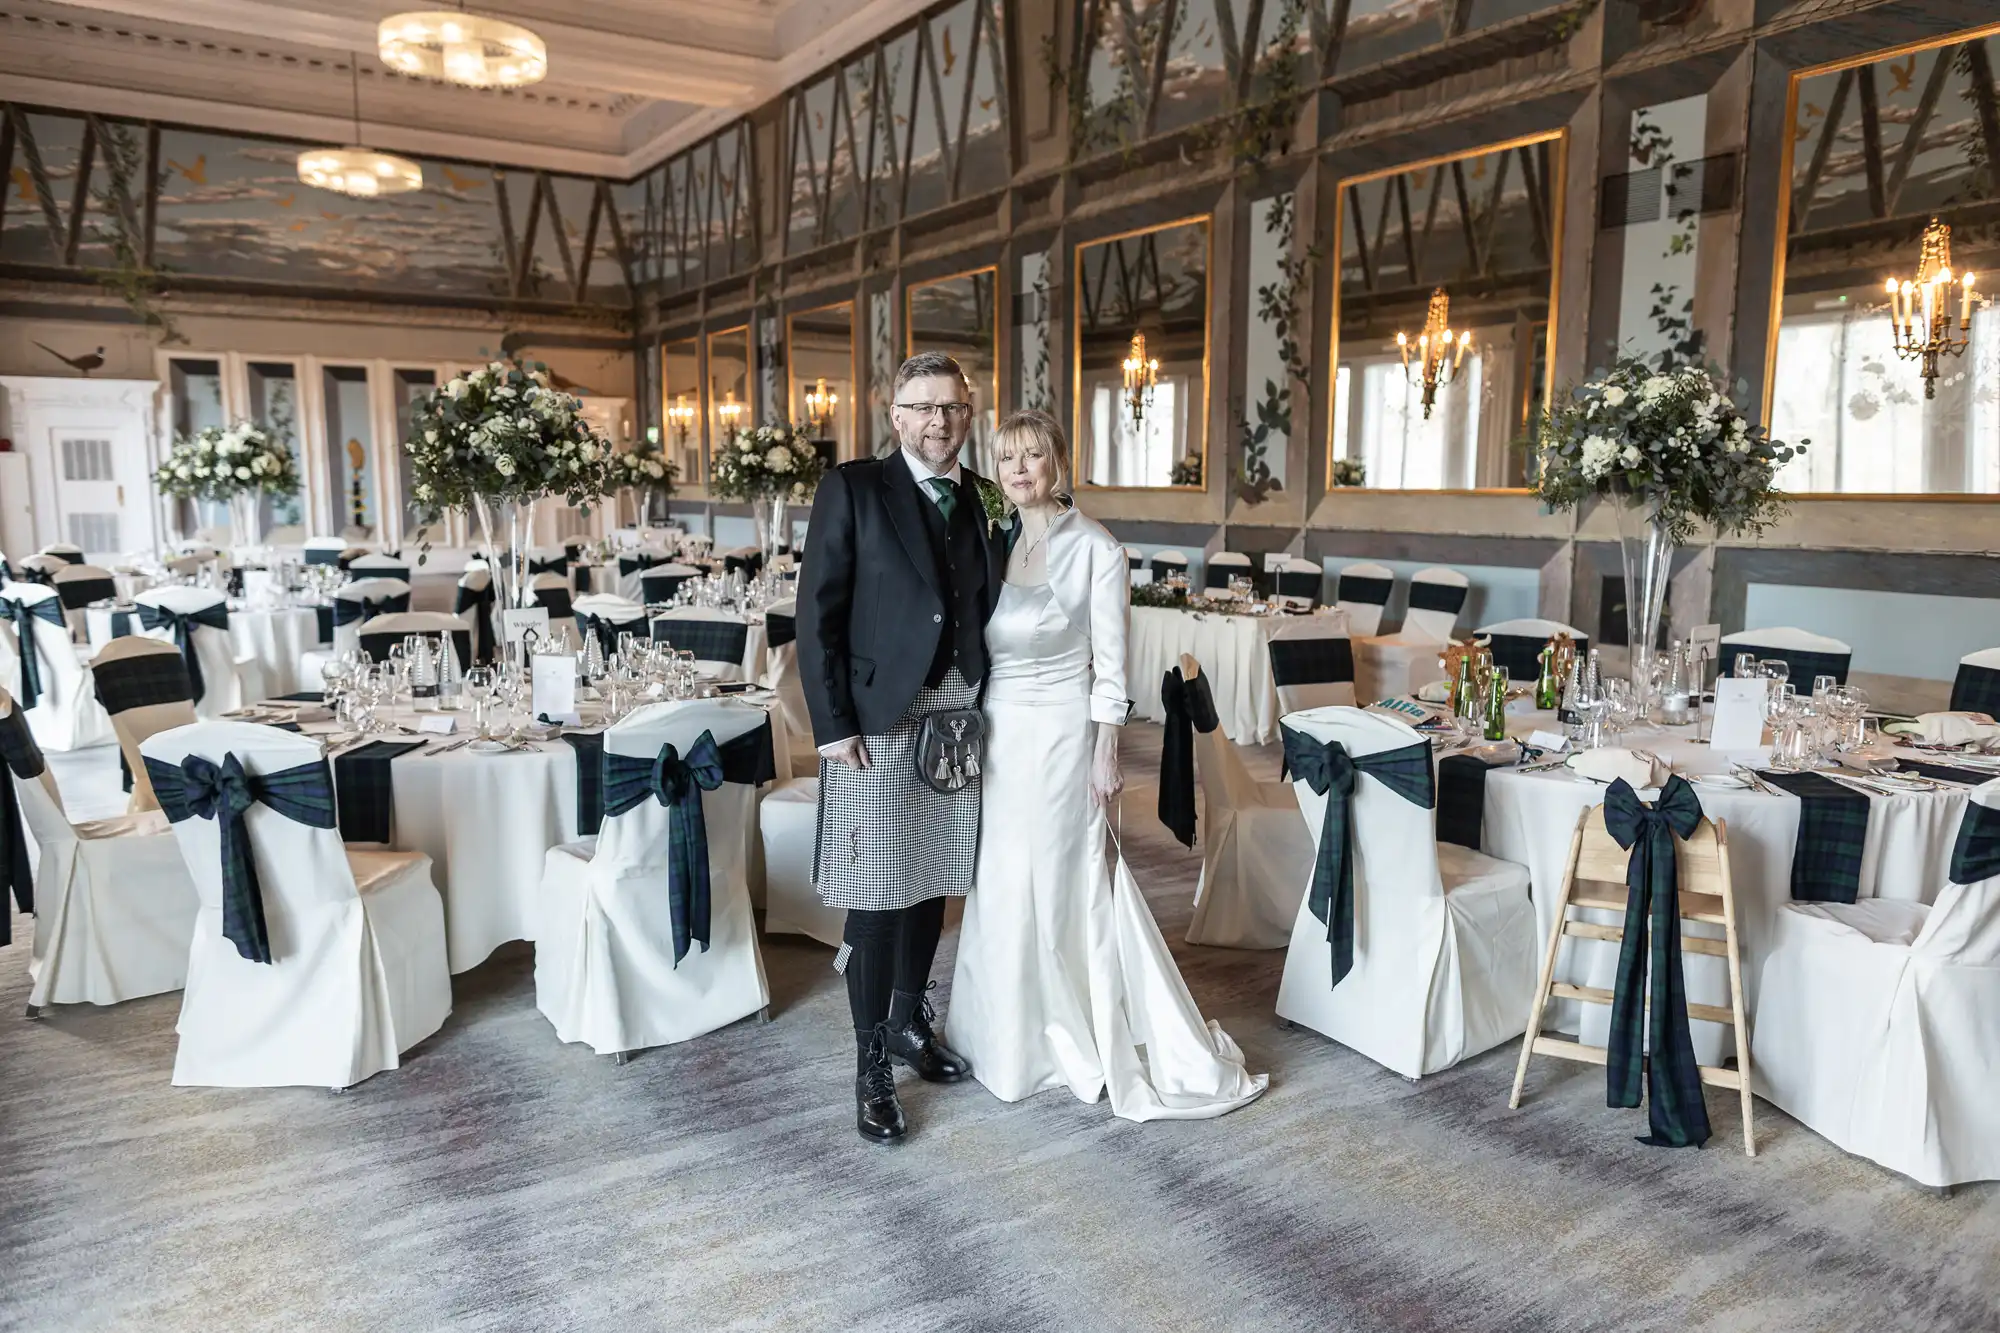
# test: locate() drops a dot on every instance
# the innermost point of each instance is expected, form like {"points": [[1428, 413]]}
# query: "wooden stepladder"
{"points": [[1595, 878]]}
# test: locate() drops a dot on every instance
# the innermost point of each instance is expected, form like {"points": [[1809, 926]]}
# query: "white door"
{"points": [[86, 442]]}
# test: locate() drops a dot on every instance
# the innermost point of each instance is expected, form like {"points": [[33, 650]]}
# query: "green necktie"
{"points": [[945, 494]]}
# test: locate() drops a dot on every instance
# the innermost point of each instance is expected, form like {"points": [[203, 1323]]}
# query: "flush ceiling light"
{"points": [[358, 171], [462, 48]]}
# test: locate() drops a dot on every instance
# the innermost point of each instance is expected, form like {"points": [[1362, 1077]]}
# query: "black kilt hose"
{"points": [[892, 611]]}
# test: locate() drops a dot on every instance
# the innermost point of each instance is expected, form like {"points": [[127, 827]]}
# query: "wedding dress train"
{"points": [[1063, 978]]}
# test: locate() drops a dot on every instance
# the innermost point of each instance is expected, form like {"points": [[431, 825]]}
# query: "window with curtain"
{"points": [[1123, 454], [1384, 426]]}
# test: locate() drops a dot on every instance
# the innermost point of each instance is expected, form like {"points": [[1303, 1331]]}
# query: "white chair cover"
{"points": [[323, 550], [67, 716], [69, 552], [1517, 644], [1312, 664], [133, 724], [710, 633], [1800, 648], [604, 962], [114, 907], [433, 623], [228, 681], [72, 582], [378, 566], [1362, 591], [788, 821], [1135, 562], [1447, 589], [1446, 949], [346, 638], [1223, 566], [1876, 1025], [1168, 563], [1256, 853], [781, 676], [357, 941], [1297, 582]]}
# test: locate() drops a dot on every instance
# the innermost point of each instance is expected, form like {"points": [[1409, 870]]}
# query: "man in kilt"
{"points": [[900, 575]]}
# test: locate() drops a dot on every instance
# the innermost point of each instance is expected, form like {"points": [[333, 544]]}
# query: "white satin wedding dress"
{"points": [[1063, 978]]}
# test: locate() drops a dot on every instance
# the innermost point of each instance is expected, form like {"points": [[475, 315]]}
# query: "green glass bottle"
{"points": [[1545, 683], [1496, 705]]}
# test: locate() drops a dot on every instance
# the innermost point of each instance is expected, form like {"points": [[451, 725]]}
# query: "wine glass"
{"points": [[479, 687], [1746, 665], [1822, 686]]}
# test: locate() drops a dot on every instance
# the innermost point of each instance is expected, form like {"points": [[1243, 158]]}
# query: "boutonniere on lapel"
{"points": [[995, 505]]}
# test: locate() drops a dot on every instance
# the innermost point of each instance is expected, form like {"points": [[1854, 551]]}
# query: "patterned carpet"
{"points": [[502, 1181]]}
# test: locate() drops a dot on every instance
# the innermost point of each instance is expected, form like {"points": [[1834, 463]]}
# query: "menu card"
{"points": [[1739, 713], [555, 687]]}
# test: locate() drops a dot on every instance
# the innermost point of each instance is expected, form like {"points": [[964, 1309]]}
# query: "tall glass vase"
{"points": [[508, 564], [1647, 548], [246, 514], [769, 511]]}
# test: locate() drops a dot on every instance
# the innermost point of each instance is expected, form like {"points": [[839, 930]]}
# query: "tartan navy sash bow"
{"points": [[222, 792], [1976, 854], [550, 565], [1675, 1112], [347, 610], [183, 624], [24, 614], [675, 781], [480, 600], [629, 565], [1186, 706], [22, 757], [1332, 772]]}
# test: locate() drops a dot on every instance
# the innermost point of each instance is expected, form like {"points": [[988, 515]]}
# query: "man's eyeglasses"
{"points": [[928, 411]]}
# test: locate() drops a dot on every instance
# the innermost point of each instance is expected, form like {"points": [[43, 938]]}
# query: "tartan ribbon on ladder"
{"points": [[1675, 1113], [676, 781], [1332, 772], [24, 614], [198, 786], [183, 624]]}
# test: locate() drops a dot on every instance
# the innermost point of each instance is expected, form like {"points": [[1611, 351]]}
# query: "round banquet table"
{"points": [[1529, 818], [488, 820], [1232, 650]]}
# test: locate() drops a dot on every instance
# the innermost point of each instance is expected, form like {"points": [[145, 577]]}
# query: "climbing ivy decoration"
{"points": [[1278, 307]]}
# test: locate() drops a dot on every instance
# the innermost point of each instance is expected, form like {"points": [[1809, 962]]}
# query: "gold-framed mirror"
{"points": [[1466, 242], [728, 379], [1140, 353], [960, 315], [1882, 146], [681, 405], [819, 360]]}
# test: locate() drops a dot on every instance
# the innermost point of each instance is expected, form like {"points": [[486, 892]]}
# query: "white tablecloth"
{"points": [[487, 820], [1233, 654], [277, 639], [1530, 817]]}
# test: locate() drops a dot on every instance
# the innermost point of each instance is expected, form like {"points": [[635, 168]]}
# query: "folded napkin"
{"points": [[1612, 763], [1957, 728]]}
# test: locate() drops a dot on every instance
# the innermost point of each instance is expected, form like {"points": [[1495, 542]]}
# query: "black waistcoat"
{"points": [[961, 570]]}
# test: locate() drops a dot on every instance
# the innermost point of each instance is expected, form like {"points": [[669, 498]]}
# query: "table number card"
{"points": [[516, 621], [1705, 644], [555, 687], [438, 723], [1739, 714]]}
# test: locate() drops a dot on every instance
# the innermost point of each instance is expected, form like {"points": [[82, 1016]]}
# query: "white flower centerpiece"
{"points": [[646, 471], [238, 465], [494, 441], [771, 467], [1675, 454]]}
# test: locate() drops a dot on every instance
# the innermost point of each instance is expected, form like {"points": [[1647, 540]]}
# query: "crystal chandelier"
{"points": [[1920, 312], [820, 402], [1438, 357], [356, 171], [462, 48], [1142, 376], [680, 417]]}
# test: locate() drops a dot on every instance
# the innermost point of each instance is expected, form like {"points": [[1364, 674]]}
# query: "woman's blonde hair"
{"points": [[1037, 428]]}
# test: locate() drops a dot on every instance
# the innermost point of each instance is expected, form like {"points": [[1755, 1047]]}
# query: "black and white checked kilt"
{"points": [[887, 840]]}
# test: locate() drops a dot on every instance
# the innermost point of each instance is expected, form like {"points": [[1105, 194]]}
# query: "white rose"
{"points": [[424, 492], [1598, 453], [1615, 396], [655, 471], [589, 452], [455, 389], [504, 465], [1654, 386], [778, 458], [1631, 457], [430, 437], [243, 474], [749, 446]]}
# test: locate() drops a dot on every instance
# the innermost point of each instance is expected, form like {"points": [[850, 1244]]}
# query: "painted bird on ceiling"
{"points": [[82, 365], [25, 183], [1902, 74], [461, 183], [197, 174]]}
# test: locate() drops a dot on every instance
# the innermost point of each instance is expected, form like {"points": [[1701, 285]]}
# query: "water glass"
{"points": [[1746, 665], [1822, 686], [479, 687]]}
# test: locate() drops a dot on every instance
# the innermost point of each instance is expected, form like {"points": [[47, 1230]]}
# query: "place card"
{"points": [[555, 687], [440, 723], [1551, 742], [1739, 714], [516, 621]]}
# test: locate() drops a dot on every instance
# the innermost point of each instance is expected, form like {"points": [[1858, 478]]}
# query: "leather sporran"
{"points": [[951, 746]]}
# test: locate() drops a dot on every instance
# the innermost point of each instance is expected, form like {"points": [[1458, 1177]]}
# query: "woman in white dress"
{"points": [[1063, 979]]}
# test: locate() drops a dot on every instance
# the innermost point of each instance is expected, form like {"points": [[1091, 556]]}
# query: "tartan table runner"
{"points": [[302, 697], [1976, 853], [323, 622], [1461, 807], [365, 791], [1833, 831], [1944, 772]]}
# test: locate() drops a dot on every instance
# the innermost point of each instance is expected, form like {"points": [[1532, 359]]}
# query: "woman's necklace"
{"points": [[1028, 548]]}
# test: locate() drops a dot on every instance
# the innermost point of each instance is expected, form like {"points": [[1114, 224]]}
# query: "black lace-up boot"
{"points": [[912, 1041], [878, 1116]]}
